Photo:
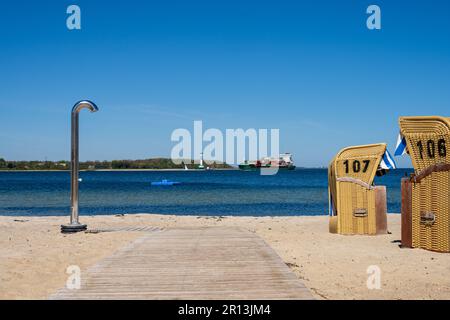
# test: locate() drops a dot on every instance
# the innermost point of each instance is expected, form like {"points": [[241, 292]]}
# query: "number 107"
{"points": [[356, 166]]}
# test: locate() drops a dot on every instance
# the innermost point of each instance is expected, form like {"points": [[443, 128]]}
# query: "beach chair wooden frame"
{"points": [[358, 207], [426, 194]]}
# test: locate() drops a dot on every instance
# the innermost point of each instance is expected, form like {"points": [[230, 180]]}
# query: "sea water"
{"points": [[230, 192]]}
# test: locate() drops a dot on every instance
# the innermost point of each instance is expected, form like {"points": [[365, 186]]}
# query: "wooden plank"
{"points": [[191, 263], [406, 213]]}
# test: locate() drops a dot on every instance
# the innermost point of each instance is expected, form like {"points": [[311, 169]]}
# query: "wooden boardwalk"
{"points": [[196, 263]]}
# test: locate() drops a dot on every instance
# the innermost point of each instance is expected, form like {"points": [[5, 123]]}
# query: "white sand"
{"points": [[34, 255]]}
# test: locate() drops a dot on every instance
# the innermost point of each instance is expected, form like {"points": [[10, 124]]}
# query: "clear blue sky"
{"points": [[310, 68]]}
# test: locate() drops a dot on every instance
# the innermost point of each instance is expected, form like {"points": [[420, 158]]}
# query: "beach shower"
{"points": [[75, 225]]}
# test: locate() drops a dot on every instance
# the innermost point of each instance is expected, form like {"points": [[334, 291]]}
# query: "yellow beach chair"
{"points": [[356, 205], [426, 194]]}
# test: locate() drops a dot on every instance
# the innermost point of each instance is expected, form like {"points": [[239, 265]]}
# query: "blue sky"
{"points": [[310, 68]]}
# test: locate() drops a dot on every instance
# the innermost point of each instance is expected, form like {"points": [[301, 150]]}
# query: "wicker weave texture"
{"points": [[428, 139], [351, 175], [354, 197]]}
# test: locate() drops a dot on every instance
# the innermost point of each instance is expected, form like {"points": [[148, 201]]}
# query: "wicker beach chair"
{"points": [[356, 206], [426, 194]]}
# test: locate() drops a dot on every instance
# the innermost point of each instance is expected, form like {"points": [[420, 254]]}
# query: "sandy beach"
{"points": [[34, 255]]}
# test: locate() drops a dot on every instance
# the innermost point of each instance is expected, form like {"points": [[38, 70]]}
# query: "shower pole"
{"points": [[74, 225]]}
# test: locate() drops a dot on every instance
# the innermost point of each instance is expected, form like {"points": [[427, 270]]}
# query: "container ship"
{"points": [[283, 162]]}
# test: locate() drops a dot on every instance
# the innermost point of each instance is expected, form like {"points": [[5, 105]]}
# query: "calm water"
{"points": [[299, 192]]}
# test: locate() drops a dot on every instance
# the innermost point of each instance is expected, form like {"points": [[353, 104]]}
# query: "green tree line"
{"points": [[155, 163]]}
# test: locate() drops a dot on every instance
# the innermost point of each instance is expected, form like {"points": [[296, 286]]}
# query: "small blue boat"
{"points": [[165, 182]]}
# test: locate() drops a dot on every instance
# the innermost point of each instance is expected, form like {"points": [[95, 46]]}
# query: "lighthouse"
{"points": [[201, 166]]}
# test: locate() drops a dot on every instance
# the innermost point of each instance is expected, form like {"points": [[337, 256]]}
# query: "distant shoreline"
{"points": [[175, 170], [123, 170]]}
